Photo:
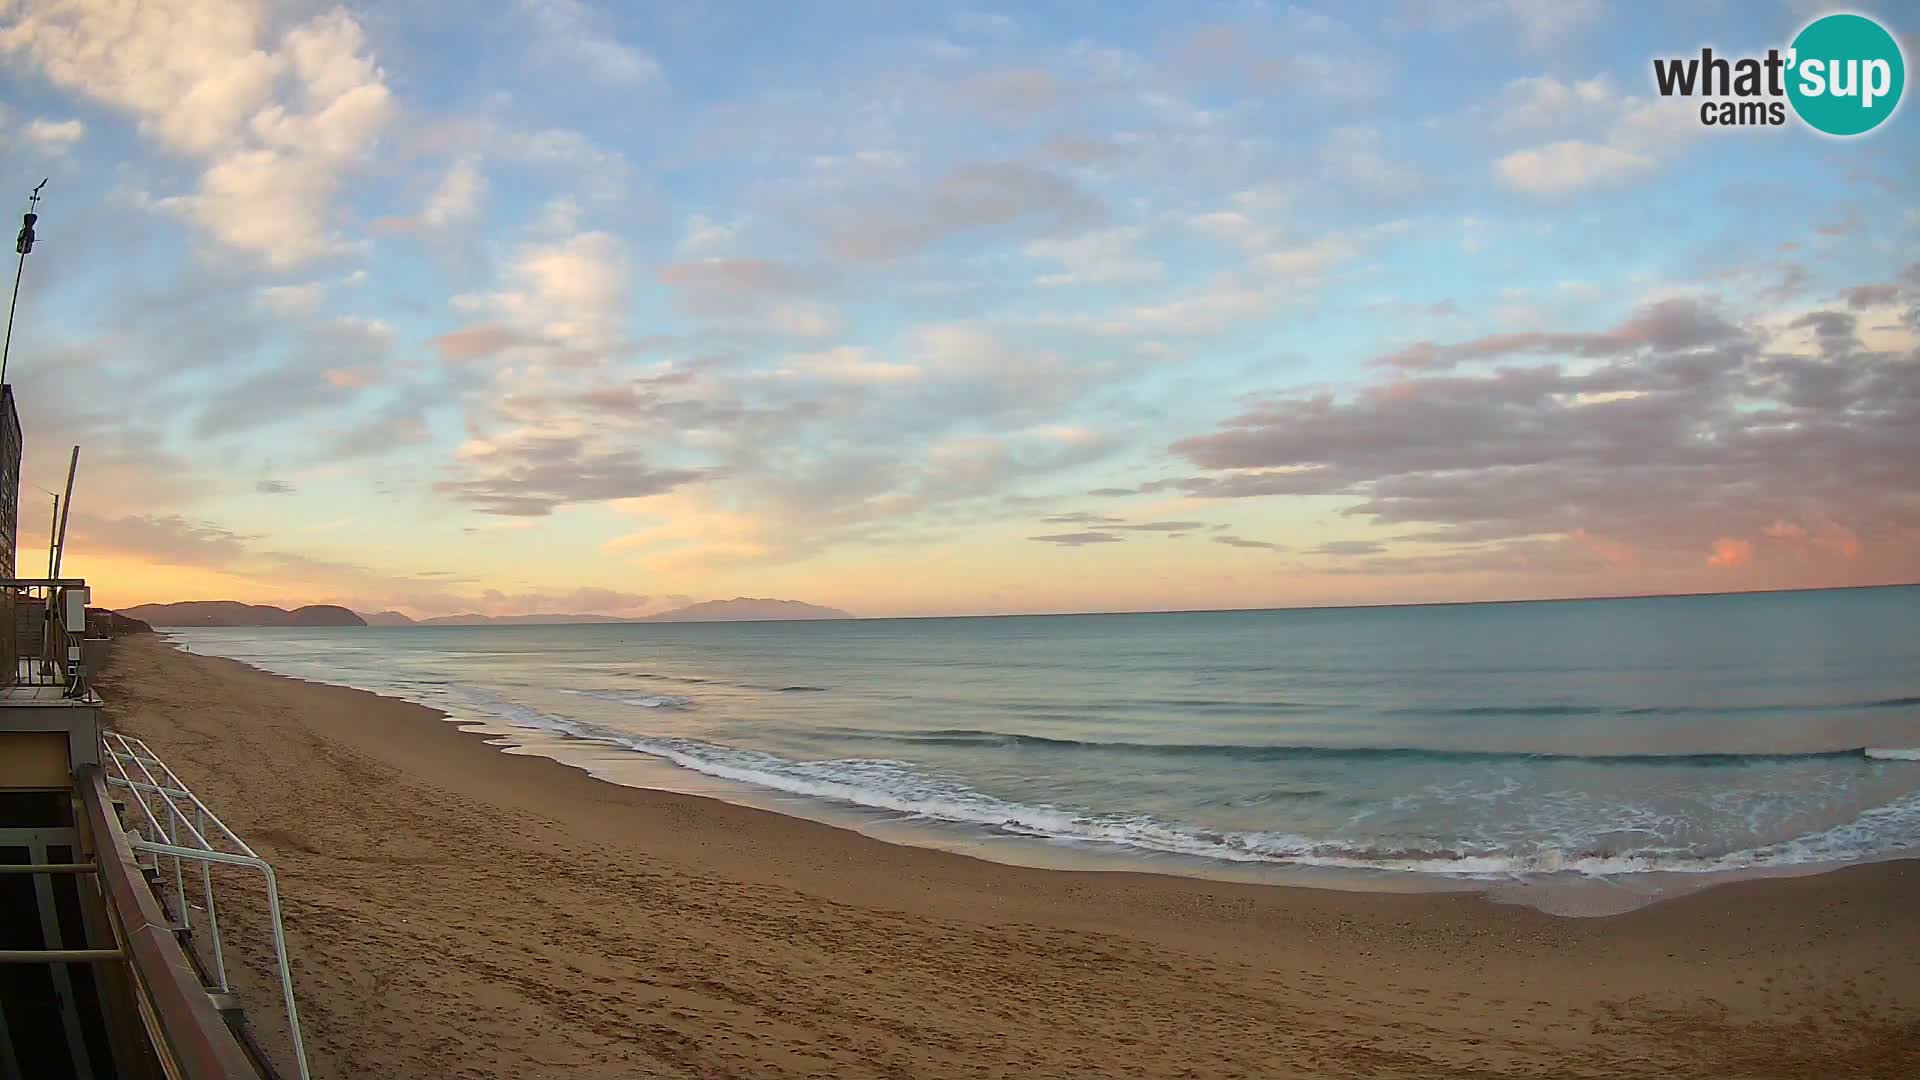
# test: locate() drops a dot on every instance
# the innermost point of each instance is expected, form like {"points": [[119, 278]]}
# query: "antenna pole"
{"points": [[53, 534], [7, 349], [23, 245], [66, 510]]}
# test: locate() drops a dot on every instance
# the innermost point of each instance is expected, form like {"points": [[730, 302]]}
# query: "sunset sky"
{"points": [[921, 309]]}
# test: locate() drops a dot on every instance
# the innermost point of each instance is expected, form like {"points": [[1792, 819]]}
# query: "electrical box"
{"points": [[75, 609]]}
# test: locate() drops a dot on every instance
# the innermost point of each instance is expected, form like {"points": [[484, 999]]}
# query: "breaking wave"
{"points": [[1262, 752]]}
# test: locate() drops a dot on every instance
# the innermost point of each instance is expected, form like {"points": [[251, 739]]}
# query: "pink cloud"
{"points": [[350, 378], [1606, 548], [1828, 536], [479, 342], [1730, 552], [1786, 531]]}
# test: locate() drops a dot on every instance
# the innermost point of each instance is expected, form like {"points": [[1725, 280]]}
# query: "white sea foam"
{"points": [[898, 787], [894, 786], [889, 785], [643, 701]]}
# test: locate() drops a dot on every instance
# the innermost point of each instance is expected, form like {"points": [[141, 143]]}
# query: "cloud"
{"points": [[1568, 166], [1309, 259], [1300, 54], [705, 237], [1077, 539], [1539, 26], [571, 292], [456, 200], [965, 199], [1349, 78], [560, 156], [1344, 548], [1240, 542], [1666, 325], [532, 473], [163, 538], [396, 426], [1866, 296], [193, 73], [1820, 536], [1665, 434], [1208, 309], [1102, 525], [796, 320], [850, 364], [1729, 552], [480, 342], [1271, 277], [1017, 96], [1538, 104], [277, 124], [1101, 257], [571, 37], [290, 578], [301, 381], [1357, 157], [1605, 138], [1832, 330], [273, 487], [56, 135], [752, 294], [293, 299]]}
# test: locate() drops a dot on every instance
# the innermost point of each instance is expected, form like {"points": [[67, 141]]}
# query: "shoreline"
{"points": [[1566, 893], [457, 909]]}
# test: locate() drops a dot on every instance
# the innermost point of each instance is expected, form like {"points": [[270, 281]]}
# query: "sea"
{"points": [[1654, 739]]}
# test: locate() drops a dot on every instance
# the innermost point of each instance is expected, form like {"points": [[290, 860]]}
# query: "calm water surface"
{"points": [[1599, 737]]}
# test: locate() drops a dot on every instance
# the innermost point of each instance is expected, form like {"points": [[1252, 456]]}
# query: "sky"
{"points": [[923, 309]]}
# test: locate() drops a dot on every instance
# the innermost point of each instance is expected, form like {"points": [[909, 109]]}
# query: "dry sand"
{"points": [[455, 911]]}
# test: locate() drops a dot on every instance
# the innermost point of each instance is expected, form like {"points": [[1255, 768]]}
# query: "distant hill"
{"points": [[114, 623], [474, 619], [738, 609], [233, 613], [748, 609]]}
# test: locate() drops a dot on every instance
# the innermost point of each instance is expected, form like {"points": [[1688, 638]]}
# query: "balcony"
{"points": [[43, 631]]}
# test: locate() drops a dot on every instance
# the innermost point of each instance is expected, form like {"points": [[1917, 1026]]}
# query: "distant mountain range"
{"points": [[231, 613], [748, 609], [394, 618]]}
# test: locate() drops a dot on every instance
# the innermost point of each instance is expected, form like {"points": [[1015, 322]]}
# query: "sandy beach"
{"points": [[455, 911]]}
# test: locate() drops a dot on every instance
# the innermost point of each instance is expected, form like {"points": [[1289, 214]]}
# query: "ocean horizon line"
{"points": [[1387, 606]]}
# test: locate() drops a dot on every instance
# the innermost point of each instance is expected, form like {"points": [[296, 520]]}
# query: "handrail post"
{"points": [[286, 970], [213, 920], [179, 868]]}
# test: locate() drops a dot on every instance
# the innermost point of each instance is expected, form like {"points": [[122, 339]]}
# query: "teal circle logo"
{"points": [[1846, 73]]}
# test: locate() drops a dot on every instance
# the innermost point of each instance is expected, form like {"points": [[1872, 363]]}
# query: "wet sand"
{"points": [[456, 911]]}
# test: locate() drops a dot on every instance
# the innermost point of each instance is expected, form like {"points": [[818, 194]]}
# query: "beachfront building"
{"points": [[107, 907]]}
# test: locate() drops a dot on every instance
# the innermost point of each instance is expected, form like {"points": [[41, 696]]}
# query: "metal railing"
{"points": [[40, 640], [132, 766]]}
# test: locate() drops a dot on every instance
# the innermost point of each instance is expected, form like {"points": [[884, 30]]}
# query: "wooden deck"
{"points": [[44, 696]]}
